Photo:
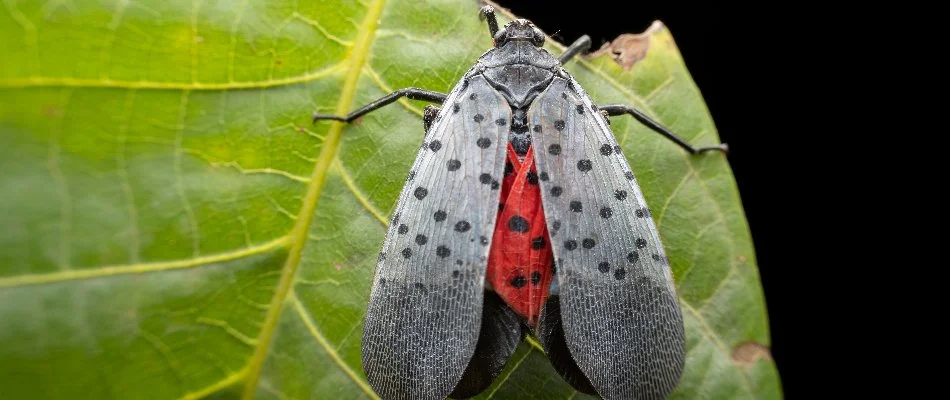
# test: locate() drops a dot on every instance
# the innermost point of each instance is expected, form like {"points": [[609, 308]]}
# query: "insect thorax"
{"points": [[519, 71]]}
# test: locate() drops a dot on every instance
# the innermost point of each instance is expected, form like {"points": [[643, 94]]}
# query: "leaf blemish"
{"points": [[748, 353]]}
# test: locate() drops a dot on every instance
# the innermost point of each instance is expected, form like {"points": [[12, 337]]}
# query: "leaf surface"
{"points": [[176, 228]]}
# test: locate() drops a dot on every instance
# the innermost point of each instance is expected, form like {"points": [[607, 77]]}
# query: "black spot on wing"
{"points": [[584, 165], [420, 192], [538, 243], [517, 223], [518, 281], [576, 206], [532, 178], [453, 165], [421, 239], [570, 244], [633, 257], [620, 273], [443, 251]]}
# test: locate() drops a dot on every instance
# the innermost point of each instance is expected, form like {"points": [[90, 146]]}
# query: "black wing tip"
{"points": [[550, 333], [637, 382], [500, 334]]}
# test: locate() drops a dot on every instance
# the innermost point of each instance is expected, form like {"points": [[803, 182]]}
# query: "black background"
{"points": [[738, 60]]}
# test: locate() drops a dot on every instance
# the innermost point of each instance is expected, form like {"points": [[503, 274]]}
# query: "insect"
{"points": [[521, 215]]}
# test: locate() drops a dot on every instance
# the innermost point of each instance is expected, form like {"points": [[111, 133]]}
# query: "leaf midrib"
{"points": [[85, 83], [298, 237]]}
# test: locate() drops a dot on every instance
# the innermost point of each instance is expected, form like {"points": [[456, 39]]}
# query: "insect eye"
{"points": [[501, 37], [538, 37]]}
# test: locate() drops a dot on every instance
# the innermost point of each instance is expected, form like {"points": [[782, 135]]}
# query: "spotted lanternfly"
{"points": [[521, 215]]}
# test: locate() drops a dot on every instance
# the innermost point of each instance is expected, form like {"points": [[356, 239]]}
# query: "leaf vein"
{"points": [[240, 336], [238, 15], [61, 185], [46, 81], [669, 199], [316, 25], [387, 89], [334, 356], [510, 372], [299, 234], [744, 378], [179, 186], [351, 186], [114, 270], [122, 171]]}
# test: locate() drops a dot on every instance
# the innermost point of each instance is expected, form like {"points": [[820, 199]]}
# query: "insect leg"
{"points": [[411, 93], [428, 116], [614, 110], [489, 13], [581, 45]]}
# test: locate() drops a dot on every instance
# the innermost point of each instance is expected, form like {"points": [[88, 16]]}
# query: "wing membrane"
{"points": [[424, 314], [621, 318]]}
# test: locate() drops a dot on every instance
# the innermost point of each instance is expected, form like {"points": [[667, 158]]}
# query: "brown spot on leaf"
{"points": [[628, 48], [53, 111], [749, 352]]}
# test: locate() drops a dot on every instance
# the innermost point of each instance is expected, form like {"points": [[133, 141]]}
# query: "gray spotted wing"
{"points": [[425, 307], [621, 318]]}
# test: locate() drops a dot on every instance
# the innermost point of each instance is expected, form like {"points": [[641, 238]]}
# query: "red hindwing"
{"points": [[520, 262]]}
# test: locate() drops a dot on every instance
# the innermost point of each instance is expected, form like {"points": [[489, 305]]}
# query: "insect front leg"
{"points": [[488, 12], [581, 45], [411, 93], [620, 109]]}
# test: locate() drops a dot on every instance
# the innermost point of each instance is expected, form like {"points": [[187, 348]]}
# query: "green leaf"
{"points": [[174, 226]]}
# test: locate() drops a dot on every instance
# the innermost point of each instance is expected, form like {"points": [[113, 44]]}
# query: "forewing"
{"points": [[620, 314], [425, 306]]}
